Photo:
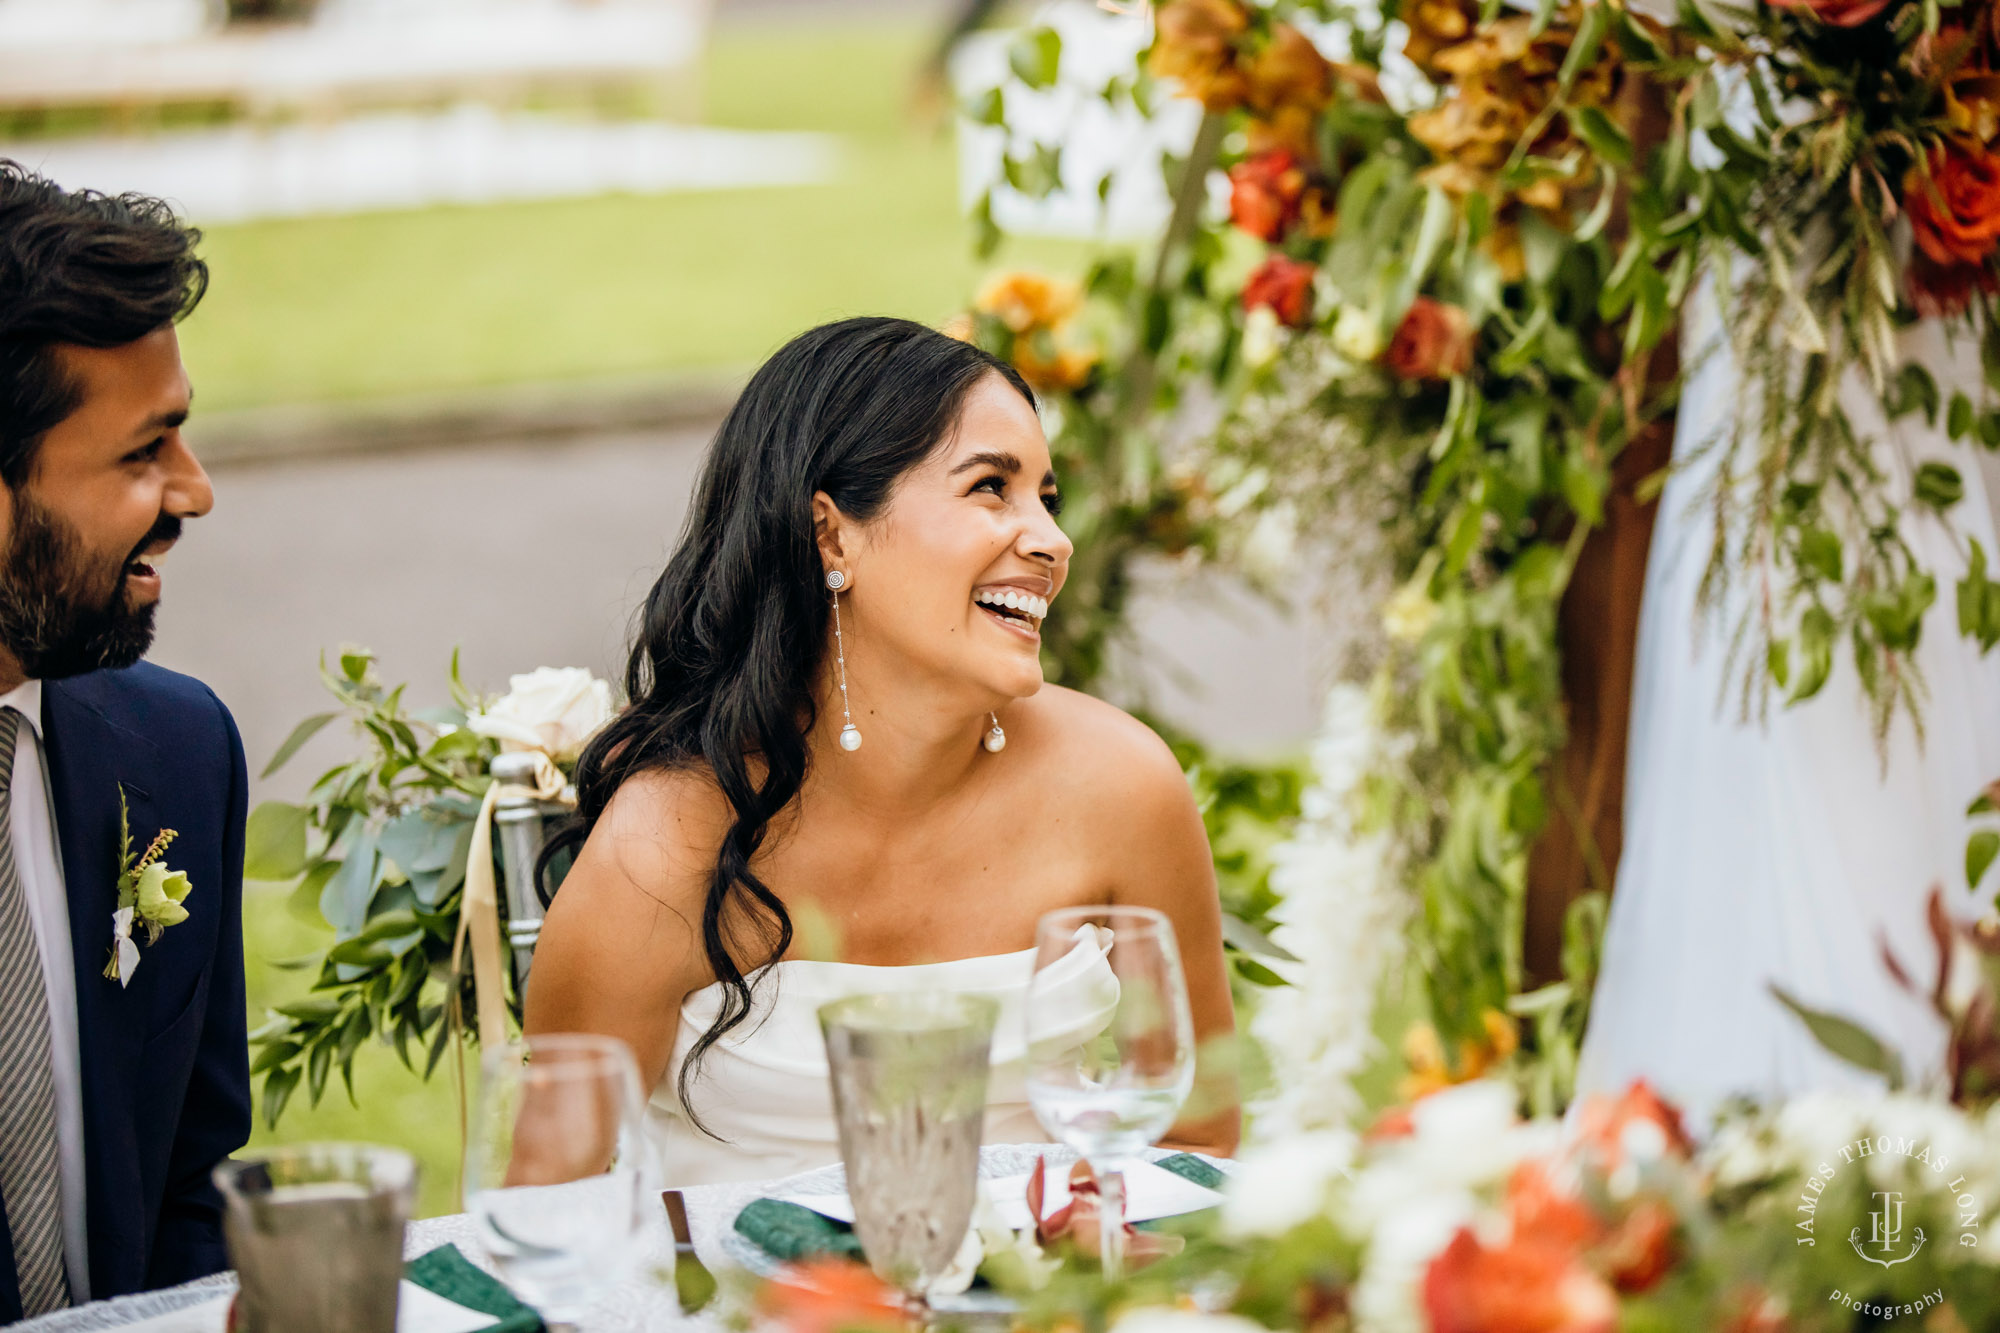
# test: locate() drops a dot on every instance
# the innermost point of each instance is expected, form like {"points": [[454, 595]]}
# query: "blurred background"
{"points": [[486, 274]]}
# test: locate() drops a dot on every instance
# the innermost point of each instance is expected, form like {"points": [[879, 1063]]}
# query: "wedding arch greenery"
{"points": [[1430, 317]]}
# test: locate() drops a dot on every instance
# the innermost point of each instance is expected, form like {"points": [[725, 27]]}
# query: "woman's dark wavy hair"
{"points": [[730, 640], [84, 268]]}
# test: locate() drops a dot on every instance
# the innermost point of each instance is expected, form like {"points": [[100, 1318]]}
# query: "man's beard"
{"points": [[52, 618]]}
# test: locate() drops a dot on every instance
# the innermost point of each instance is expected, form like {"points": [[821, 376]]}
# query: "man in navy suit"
{"points": [[118, 1094]]}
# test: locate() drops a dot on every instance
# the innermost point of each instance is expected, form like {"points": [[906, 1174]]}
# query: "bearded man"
{"points": [[124, 1073]]}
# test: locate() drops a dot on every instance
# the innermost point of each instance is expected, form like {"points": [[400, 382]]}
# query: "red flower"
{"points": [[1955, 213], [1525, 1286], [1433, 342], [1285, 285], [1641, 1251], [1943, 290], [1839, 13], [1265, 193]]}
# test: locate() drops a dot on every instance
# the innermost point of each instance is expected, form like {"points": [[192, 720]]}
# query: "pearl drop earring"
{"points": [[850, 735], [996, 739]]}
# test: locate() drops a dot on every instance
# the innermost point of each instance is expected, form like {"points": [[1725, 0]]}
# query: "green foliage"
{"points": [[1794, 222], [379, 848], [1246, 810]]}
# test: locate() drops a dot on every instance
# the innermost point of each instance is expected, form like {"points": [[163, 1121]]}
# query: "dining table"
{"points": [[644, 1302]]}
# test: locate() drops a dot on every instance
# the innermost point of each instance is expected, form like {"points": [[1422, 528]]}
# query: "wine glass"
{"points": [[909, 1073], [1111, 1050], [557, 1169]]}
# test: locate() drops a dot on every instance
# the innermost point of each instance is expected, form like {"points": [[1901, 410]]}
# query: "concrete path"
{"points": [[535, 553]]}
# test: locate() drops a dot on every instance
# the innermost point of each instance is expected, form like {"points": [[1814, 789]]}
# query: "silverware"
{"points": [[693, 1283]]}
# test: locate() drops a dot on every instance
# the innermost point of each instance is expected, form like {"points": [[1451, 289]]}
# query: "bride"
{"points": [[839, 729]]}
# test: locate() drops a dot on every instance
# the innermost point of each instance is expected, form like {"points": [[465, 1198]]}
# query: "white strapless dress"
{"points": [[763, 1088]]}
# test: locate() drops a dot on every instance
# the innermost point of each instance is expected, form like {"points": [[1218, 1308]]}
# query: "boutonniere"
{"points": [[149, 894]]}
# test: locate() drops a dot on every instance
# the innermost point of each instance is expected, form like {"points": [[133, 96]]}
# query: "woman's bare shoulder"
{"points": [[642, 875], [622, 942], [1098, 754]]}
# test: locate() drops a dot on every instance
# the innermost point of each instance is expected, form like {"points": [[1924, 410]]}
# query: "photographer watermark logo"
{"points": [[1882, 1237], [1885, 1233]]}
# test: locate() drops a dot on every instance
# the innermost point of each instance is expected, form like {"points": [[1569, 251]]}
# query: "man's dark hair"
{"points": [[83, 268]]}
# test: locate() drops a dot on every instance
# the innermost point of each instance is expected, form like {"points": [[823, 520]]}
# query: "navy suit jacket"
{"points": [[166, 1077]]}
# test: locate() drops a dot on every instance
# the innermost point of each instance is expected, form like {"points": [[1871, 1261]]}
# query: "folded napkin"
{"points": [[790, 1232], [446, 1273]]}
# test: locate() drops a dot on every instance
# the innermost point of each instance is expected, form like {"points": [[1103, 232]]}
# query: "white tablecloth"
{"points": [[645, 1304]]}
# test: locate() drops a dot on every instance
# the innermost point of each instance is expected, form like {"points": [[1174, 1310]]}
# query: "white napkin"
{"points": [[417, 1311], [1150, 1192]]}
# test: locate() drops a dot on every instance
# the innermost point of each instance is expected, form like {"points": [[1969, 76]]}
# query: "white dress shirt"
{"points": [[48, 910]]}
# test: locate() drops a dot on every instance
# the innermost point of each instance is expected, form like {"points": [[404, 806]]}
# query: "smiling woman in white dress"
{"points": [[838, 720]]}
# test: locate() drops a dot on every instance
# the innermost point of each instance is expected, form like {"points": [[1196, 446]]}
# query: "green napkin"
{"points": [[790, 1232], [1190, 1167], [447, 1273]]}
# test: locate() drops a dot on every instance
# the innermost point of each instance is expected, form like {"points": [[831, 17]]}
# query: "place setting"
{"points": [[567, 1226]]}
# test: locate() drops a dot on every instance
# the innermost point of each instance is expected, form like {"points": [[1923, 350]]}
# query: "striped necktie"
{"points": [[30, 1184]]}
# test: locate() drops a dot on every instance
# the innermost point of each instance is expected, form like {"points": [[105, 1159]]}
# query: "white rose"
{"points": [[1281, 1184], [551, 709], [1263, 337], [1357, 334]]}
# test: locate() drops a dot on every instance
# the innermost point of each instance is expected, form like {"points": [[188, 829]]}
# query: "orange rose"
{"points": [[1046, 364], [1955, 214], [1523, 1286], [1265, 192], [1546, 1215], [1285, 285], [1433, 342], [1194, 43], [832, 1296], [1608, 1126], [1025, 302], [1839, 13]]}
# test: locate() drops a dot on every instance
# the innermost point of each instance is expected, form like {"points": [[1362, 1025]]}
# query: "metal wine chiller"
{"points": [[517, 820]]}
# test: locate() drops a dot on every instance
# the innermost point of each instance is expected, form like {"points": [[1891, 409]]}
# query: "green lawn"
{"points": [[454, 299]]}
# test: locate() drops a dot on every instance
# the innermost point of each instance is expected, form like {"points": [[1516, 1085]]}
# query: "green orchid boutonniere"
{"points": [[149, 894]]}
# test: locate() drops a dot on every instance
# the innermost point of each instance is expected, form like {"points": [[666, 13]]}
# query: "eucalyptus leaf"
{"points": [[1939, 485], [1980, 849], [1242, 935], [302, 733], [1846, 1040], [274, 841], [345, 901]]}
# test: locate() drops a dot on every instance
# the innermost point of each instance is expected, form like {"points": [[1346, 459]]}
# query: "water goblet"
{"points": [[1111, 1051], [558, 1171], [909, 1073]]}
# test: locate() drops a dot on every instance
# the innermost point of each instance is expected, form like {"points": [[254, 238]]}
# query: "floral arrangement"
{"points": [[380, 849], [1455, 1213]]}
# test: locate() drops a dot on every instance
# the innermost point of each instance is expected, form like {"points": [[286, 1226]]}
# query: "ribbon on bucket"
{"points": [[479, 908]]}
